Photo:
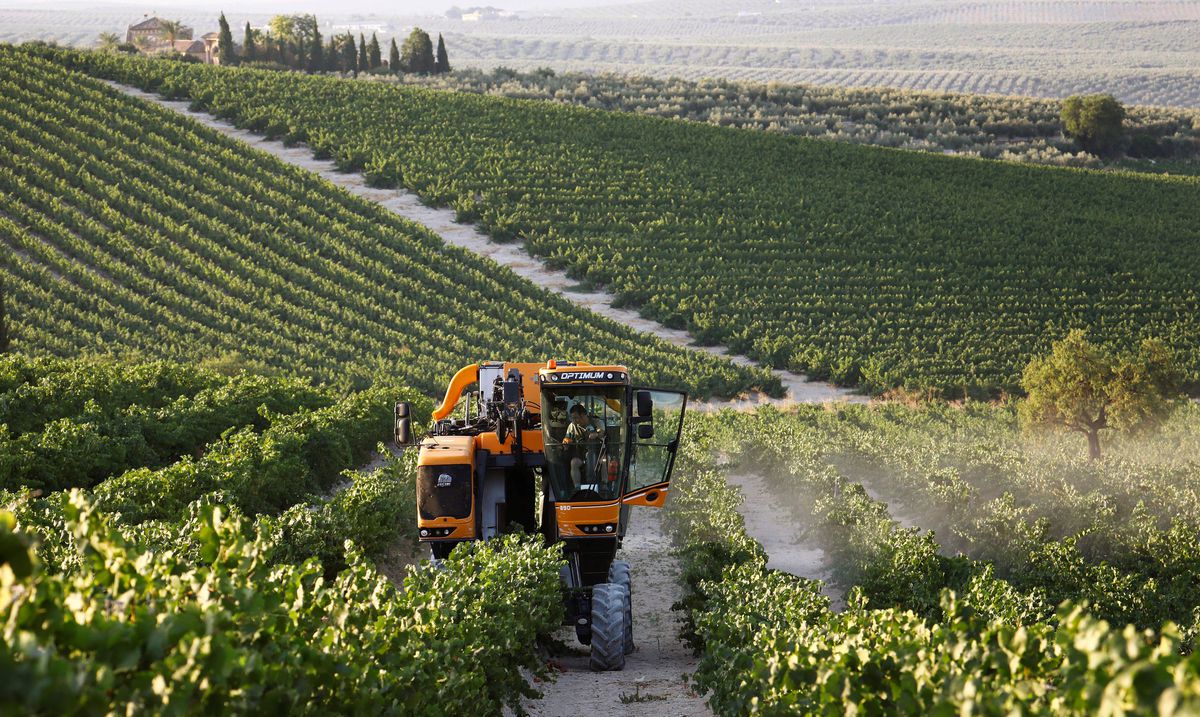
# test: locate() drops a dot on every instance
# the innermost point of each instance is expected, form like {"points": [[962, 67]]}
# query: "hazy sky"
{"points": [[328, 7]]}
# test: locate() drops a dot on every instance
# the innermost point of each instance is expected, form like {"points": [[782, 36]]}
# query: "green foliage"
{"points": [[1087, 389], [239, 634], [375, 508], [316, 53], [295, 29], [255, 445], [108, 42], [844, 262], [298, 454], [1095, 121], [211, 249], [38, 391], [102, 440]]}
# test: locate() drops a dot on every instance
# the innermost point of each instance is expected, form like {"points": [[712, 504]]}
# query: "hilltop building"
{"points": [[150, 36], [150, 31]]}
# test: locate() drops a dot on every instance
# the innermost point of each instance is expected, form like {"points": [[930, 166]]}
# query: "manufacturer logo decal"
{"points": [[587, 376], [445, 480]]}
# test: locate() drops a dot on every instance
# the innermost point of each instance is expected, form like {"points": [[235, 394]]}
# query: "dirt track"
{"points": [[655, 671], [512, 255], [772, 522]]}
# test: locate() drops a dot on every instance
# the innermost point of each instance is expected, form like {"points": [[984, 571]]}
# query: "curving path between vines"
{"points": [[440, 221], [771, 520]]}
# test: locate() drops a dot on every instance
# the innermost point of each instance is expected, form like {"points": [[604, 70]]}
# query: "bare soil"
{"points": [[896, 508], [771, 520], [652, 683]]}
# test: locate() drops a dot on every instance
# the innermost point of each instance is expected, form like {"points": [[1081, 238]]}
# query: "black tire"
{"points": [[608, 627], [441, 551], [620, 574]]}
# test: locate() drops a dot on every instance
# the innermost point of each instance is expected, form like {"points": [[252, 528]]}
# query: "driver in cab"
{"points": [[581, 431]]}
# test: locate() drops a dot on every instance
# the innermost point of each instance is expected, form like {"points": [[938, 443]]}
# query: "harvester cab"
{"points": [[563, 449]]}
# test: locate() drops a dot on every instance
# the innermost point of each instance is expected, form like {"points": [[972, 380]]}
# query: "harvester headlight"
{"points": [[596, 529], [424, 533]]}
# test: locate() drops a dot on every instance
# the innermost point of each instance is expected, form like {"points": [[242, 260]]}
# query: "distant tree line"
{"points": [[295, 42], [1024, 129]]}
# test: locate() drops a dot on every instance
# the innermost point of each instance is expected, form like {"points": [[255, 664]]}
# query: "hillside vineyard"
{"points": [[857, 264], [130, 228]]}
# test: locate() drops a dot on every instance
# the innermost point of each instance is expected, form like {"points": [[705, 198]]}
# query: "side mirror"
{"points": [[645, 404], [403, 430], [645, 431]]}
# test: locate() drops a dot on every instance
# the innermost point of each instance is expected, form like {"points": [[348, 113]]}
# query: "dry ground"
{"points": [[652, 682]]}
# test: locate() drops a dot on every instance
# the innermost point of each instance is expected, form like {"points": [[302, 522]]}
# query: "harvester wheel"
{"points": [[608, 626], [620, 574], [441, 551]]}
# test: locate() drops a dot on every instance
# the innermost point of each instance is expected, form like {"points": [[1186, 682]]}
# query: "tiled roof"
{"points": [[151, 23]]}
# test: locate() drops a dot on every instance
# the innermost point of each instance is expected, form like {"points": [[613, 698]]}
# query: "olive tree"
{"points": [[1085, 388], [1096, 122]]}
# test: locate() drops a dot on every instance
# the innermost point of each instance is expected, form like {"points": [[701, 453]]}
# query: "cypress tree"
{"points": [[373, 58], [349, 55], [441, 63], [249, 54], [225, 53], [316, 62], [362, 54], [394, 58]]}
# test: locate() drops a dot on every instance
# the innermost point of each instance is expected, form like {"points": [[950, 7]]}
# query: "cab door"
{"points": [[656, 422]]}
